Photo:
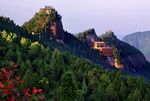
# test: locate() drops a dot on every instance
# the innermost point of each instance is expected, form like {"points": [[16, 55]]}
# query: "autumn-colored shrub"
{"points": [[11, 87]]}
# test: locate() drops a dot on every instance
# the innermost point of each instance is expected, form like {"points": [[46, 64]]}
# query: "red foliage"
{"points": [[1, 85], [7, 92], [34, 91], [9, 86], [15, 66], [21, 81], [26, 92], [40, 90]]}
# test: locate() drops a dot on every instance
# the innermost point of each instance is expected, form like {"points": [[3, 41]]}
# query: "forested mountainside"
{"points": [[140, 40], [31, 71], [51, 33], [132, 59]]}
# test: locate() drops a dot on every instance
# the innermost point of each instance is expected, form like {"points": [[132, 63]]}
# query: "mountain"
{"points": [[47, 27], [53, 35], [32, 71], [130, 57], [140, 40]]}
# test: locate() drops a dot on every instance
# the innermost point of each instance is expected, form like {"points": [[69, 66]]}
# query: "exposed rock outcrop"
{"points": [[47, 24], [131, 59], [134, 62], [88, 36], [54, 30]]}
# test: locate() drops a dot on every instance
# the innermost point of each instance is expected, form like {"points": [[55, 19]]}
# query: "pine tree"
{"points": [[19, 55], [123, 91], [9, 54], [84, 87], [105, 78], [130, 97], [137, 95], [111, 92], [30, 79], [56, 65], [68, 87]]}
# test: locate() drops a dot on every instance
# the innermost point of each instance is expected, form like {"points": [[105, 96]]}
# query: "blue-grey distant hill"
{"points": [[140, 40]]}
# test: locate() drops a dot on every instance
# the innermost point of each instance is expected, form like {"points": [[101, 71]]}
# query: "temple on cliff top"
{"points": [[103, 48], [107, 51]]}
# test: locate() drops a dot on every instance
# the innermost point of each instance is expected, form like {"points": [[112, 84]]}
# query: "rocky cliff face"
{"points": [[88, 36], [134, 62], [132, 59], [54, 30], [47, 24]]}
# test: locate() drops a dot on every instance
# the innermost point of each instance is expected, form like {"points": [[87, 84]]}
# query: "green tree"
{"points": [[68, 90], [137, 95], [123, 91], [102, 92], [130, 97], [9, 39], [84, 87], [105, 78], [111, 92], [56, 65], [9, 54], [116, 55], [24, 41], [34, 50], [31, 79], [19, 55], [130, 82]]}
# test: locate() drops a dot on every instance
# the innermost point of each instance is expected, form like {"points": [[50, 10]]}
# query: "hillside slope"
{"points": [[132, 59], [140, 40], [53, 35], [54, 75], [47, 27]]}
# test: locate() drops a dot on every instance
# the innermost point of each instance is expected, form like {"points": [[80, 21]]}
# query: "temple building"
{"points": [[103, 48], [107, 51]]}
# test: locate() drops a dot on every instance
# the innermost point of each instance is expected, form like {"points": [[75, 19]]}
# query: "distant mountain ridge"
{"points": [[140, 40]]}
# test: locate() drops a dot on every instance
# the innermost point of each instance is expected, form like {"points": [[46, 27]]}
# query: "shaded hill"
{"points": [[60, 76], [55, 36], [8, 25], [132, 59], [57, 74], [140, 40]]}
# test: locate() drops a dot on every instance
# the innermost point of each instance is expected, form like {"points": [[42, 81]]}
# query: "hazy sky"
{"points": [[121, 16]]}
